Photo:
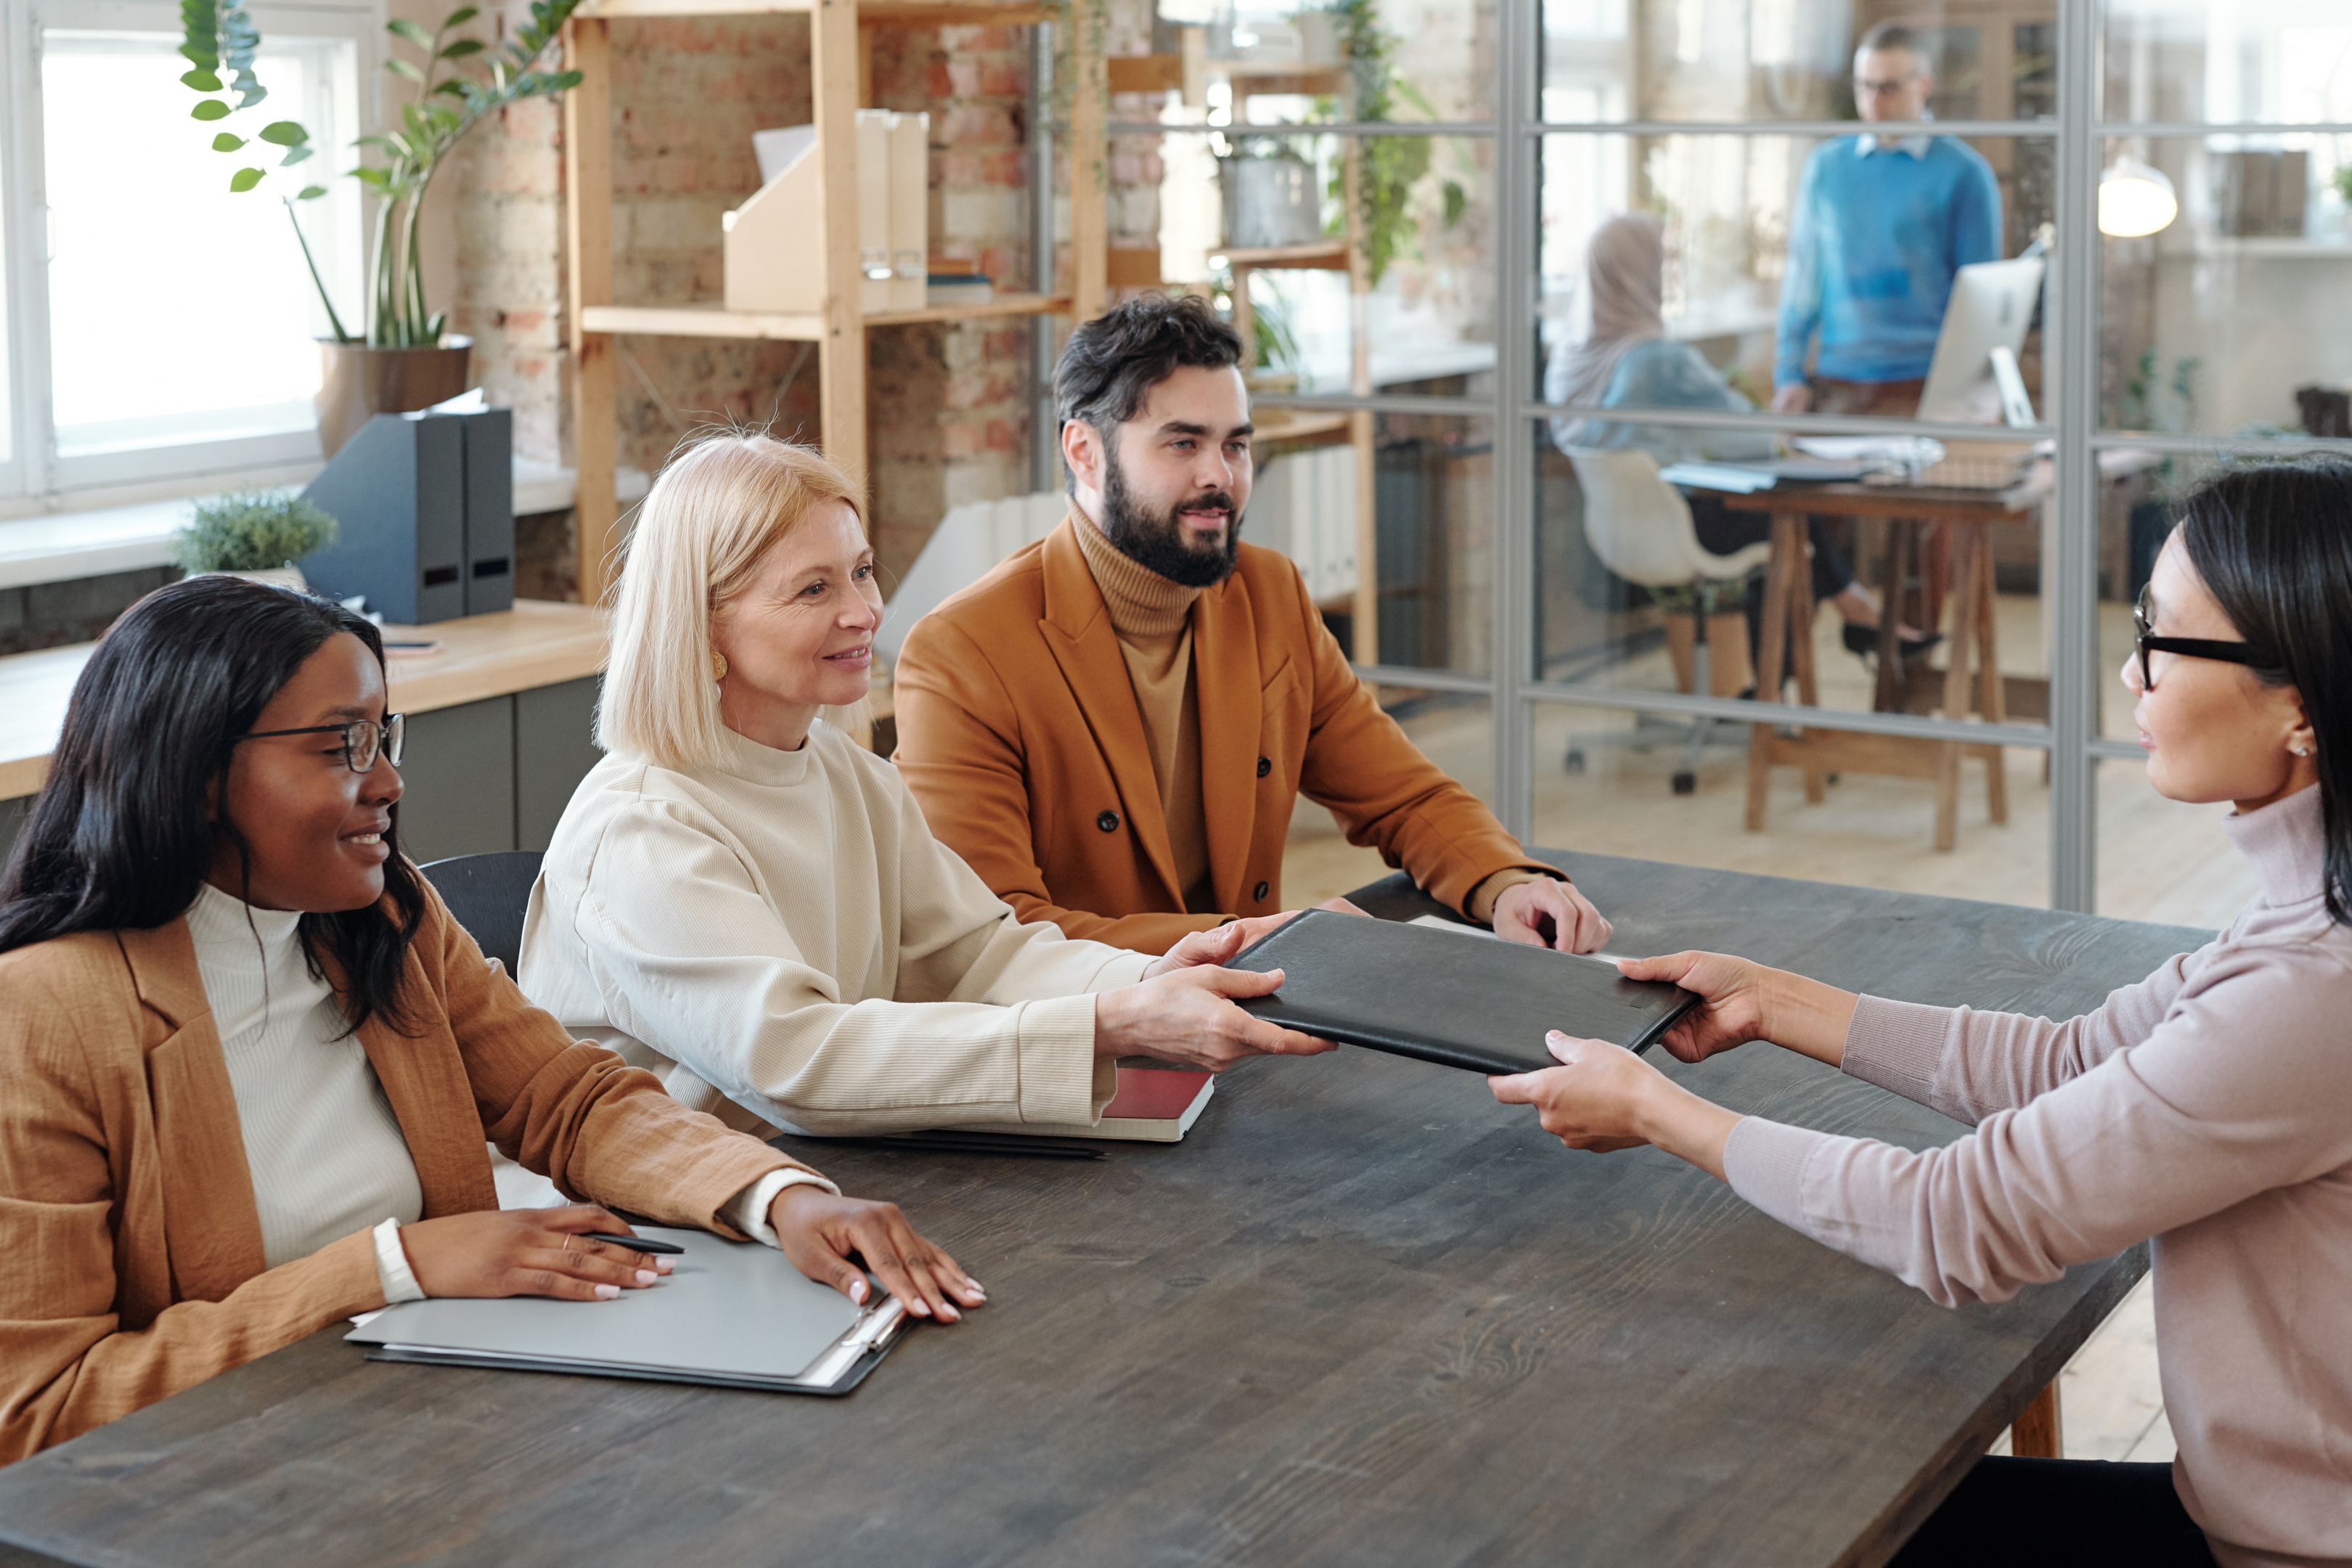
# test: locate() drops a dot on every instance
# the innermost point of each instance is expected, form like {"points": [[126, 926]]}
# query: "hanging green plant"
{"points": [[1393, 165], [220, 43]]}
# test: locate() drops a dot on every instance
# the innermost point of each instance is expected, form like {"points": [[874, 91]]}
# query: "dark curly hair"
{"points": [[2272, 545], [1112, 361], [117, 838]]}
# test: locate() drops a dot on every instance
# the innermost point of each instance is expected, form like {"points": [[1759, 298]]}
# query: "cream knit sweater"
{"points": [[780, 938]]}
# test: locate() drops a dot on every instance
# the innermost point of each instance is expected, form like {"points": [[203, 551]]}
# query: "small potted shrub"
{"points": [[258, 534]]}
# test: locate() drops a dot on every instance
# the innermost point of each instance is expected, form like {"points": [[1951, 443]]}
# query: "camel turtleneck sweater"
{"points": [[1153, 618]]}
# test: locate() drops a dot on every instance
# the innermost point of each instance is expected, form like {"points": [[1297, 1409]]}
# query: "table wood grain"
{"points": [[1362, 1315]]}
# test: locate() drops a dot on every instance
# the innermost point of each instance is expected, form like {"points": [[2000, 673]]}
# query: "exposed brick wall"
{"points": [[52, 615], [949, 412]]}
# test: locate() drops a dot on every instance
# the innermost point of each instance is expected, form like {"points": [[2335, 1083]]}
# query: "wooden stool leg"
{"points": [[1801, 610], [1787, 533], [2036, 1433], [1957, 695], [1991, 701], [1902, 543]]}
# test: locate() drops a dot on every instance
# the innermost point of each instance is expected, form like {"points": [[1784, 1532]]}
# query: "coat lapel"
{"points": [[212, 1230], [1077, 629], [424, 1078], [1225, 664]]}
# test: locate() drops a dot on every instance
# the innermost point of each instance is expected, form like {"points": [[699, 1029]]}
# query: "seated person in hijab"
{"points": [[1619, 357]]}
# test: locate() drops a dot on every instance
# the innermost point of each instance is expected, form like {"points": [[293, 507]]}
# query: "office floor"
{"points": [[2159, 862]]}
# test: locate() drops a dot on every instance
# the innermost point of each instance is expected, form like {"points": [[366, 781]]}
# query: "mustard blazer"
{"points": [[1019, 734], [126, 1213]]}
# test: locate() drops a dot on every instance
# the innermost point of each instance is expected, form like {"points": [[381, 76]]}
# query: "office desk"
{"points": [[1789, 603], [1362, 1316], [497, 727]]}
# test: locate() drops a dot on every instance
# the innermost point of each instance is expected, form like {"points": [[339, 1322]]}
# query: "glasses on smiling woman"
{"points": [[2145, 641], [364, 740]]}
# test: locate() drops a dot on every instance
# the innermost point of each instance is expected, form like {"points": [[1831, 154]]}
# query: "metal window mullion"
{"points": [[2073, 511], [1820, 127], [1801, 423], [1518, 184], [1259, 131], [1747, 710], [1044, 444]]}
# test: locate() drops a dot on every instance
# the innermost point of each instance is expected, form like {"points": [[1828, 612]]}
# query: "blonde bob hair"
{"points": [[723, 502]]}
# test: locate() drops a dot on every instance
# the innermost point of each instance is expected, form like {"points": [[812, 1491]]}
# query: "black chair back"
{"points": [[489, 893]]}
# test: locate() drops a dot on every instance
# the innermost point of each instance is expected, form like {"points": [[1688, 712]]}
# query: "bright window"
{"points": [[175, 325]]}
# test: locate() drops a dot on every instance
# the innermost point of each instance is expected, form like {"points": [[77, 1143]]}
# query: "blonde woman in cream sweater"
{"points": [[744, 899], [2208, 1108]]}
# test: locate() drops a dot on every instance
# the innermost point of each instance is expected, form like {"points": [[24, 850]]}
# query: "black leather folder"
{"points": [[1461, 1000]]}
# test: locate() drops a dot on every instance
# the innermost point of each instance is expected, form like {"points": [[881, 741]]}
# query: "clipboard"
{"points": [[1459, 1002], [732, 1314]]}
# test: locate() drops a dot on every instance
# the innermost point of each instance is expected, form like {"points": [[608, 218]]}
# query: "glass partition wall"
{"points": [[1645, 267]]}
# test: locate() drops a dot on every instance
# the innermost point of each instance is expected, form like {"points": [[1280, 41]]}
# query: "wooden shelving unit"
{"points": [[1189, 71], [841, 74]]}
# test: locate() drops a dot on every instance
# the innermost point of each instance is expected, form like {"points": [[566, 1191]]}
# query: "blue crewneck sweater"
{"points": [[1872, 246]]}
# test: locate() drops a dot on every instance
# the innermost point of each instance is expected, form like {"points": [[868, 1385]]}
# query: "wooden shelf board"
{"points": [[1302, 426], [872, 14], [1254, 70], [1145, 73], [1331, 254], [610, 8], [701, 322], [946, 14], [1002, 305]]}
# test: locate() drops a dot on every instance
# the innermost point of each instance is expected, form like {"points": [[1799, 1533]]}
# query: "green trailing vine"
{"points": [[1393, 165], [220, 42]]}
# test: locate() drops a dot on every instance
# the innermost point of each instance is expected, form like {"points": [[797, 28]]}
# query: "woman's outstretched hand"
{"points": [[1743, 1001], [1603, 1097], [527, 1252], [820, 1233]]}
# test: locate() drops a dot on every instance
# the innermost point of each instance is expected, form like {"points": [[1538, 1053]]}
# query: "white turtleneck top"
{"points": [[2209, 1106], [321, 1144], [324, 1149]]}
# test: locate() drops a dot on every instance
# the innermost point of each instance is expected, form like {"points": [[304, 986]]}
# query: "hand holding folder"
{"points": [[1455, 1000]]}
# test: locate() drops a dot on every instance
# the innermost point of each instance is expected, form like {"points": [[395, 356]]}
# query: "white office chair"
{"points": [[1640, 527]]}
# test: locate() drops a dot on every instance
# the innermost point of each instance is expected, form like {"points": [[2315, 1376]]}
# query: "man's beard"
{"points": [[1157, 543]]}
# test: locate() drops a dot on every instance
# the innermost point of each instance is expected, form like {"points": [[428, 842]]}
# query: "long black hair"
{"points": [[118, 838], [2273, 545]]}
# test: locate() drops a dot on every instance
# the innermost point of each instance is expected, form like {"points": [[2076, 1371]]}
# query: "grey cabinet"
{"points": [[495, 774]]}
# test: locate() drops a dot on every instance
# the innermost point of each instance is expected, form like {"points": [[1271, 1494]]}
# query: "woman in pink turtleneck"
{"points": [[2209, 1106]]}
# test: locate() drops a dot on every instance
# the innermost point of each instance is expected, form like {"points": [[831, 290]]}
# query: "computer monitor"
{"points": [[1991, 306]]}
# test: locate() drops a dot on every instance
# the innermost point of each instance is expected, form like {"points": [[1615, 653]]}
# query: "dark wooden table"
{"points": [[1362, 1315]]}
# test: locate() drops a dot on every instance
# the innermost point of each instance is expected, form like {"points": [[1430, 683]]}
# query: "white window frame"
{"points": [[34, 477]]}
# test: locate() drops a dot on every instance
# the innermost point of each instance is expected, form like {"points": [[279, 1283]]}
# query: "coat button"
{"points": [[1108, 822], [1263, 889], [1264, 766]]}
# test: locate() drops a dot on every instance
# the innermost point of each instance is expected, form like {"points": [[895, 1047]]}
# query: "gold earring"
{"points": [[717, 665]]}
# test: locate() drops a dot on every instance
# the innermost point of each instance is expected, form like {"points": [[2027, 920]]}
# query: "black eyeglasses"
{"points": [[2145, 641], [364, 740]]}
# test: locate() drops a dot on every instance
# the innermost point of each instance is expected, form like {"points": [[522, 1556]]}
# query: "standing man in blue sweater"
{"points": [[1882, 223]]}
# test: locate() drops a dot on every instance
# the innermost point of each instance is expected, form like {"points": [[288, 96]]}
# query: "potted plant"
{"points": [[258, 534], [400, 359]]}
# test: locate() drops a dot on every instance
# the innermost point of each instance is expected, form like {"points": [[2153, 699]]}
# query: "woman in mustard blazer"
{"points": [[248, 1062]]}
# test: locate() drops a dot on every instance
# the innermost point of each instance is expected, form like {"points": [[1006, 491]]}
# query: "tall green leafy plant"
{"points": [[220, 43]]}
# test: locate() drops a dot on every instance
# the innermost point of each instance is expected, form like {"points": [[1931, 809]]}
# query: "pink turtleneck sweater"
{"points": [[2209, 1106]]}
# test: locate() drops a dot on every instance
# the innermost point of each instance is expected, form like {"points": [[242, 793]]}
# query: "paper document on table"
{"points": [[1728, 477], [733, 1313], [1910, 450], [1439, 923]]}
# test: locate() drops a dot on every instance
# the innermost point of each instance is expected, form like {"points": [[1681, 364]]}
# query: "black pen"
{"points": [[637, 1243]]}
